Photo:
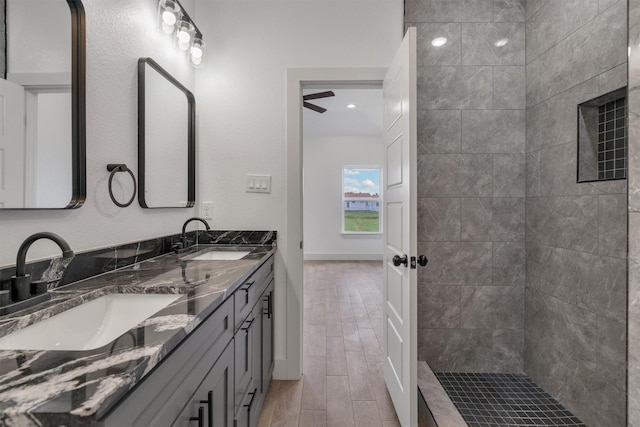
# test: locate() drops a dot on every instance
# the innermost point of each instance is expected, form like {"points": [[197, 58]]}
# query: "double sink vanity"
{"points": [[181, 339]]}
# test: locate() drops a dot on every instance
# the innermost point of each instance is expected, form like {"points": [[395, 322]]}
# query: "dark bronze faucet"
{"points": [[20, 283], [184, 243]]}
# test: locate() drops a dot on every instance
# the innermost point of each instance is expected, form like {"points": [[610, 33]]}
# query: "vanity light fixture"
{"points": [[438, 41], [173, 19]]}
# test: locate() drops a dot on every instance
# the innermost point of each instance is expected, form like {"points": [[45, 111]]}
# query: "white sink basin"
{"points": [[221, 256], [89, 325]]}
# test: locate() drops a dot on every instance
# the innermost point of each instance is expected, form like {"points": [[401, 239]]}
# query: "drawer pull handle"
{"points": [[267, 310], [199, 418], [246, 328], [253, 395], [247, 286], [209, 403]]}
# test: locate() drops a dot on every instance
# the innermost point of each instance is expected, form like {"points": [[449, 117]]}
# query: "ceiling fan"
{"points": [[318, 95]]}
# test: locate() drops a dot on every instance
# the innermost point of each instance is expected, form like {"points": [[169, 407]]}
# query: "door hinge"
{"points": [[300, 244]]}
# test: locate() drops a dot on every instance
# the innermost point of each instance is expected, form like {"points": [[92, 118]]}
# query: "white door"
{"points": [[12, 145], [400, 242]]}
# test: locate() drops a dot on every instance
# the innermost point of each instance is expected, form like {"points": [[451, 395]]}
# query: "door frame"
{"points": [[289, 364]]}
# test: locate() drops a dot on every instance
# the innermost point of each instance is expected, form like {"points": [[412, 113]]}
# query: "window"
{"points": [[361, 200]]}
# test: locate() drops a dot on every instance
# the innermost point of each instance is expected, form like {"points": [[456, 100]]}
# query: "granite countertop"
{"points": [[76, 388]]}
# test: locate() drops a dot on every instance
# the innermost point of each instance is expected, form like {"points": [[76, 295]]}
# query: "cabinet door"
{"points": [[267, 337], [212, 404], [243, 361]]}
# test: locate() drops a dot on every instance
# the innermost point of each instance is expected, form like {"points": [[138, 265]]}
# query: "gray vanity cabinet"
{"points": [[254, 350], [163, 394], [212, 403], [218, 376]]}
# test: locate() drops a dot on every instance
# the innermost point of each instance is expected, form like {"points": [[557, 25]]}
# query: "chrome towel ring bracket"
{"points": [[114, 168]]}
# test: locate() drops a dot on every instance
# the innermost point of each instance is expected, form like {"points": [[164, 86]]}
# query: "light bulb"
{"points": [[169, 18], [196, 60], [184, 36], [196, 51]]}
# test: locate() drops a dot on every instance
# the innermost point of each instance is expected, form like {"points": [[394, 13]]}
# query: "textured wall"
{"points": [[575, 325], [471, 183], [634, 215]]}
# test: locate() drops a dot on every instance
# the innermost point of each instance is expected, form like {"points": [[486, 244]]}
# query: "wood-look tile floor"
{"points": [[342, 383]]}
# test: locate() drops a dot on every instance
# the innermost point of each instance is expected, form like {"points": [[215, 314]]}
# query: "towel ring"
{"points": [[113, 168]]}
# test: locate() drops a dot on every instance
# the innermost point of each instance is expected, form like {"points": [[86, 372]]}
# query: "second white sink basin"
{"points": [[221, 256], [89, 325]]}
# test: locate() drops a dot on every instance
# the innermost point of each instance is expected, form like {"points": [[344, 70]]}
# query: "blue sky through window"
{"points": [[361, 180]]}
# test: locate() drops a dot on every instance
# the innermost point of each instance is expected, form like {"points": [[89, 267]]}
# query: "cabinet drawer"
{"points": [[248, 294], [163, 393]]}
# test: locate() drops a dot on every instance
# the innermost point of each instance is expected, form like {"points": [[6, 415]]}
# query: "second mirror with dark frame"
{"points": [[42, 148], [166, 139]]}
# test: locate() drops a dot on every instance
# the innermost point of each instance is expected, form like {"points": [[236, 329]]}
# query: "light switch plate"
{"points": [[206, 210], [258, 183]]}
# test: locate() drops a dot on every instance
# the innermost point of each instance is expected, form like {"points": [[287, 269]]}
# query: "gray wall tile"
{"points": [[468, 350], [509, 175], [633, 351], [453, 88], [554, 121], [509, 10], [533, 89], [448, 10], [499, 43], [604, 4], [457, 263], [604, 291], [612, 225], [611, 352], [448, 54], [565, 222], [593, 49], [492, 307], [439, 219], [532, 160], [439, 307], [508, 219], [439, 131], [508, 348], [508, 264], [613, 79], [455, 175], [475, 220], [556, 20], [509, 91], [493, 131]]}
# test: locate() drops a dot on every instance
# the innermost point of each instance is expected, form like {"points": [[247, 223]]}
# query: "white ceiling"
{"points": [[338, 120]]}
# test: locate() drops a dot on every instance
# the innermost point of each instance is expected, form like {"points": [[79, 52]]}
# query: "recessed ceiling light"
{"points": [[501, 42], [351, 106], [438, 41]]}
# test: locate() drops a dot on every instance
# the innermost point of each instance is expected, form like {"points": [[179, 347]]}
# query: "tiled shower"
{"points": [[527, 271]]}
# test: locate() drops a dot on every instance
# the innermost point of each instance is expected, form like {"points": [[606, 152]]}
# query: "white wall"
{"points": [[323, 159], [118, 33]]}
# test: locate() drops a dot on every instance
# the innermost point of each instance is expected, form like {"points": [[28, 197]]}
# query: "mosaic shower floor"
{"points": [[504, 400]]}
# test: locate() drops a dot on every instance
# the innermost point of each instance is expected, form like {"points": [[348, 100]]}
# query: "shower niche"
{"points": [[602, 137]]}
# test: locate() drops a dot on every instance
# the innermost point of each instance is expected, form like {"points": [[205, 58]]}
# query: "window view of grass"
{"points": [[362, 221], [361, 199]]}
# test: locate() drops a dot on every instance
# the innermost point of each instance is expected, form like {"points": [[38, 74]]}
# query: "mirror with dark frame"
{"points": [[166, 139], [42, 146]]}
